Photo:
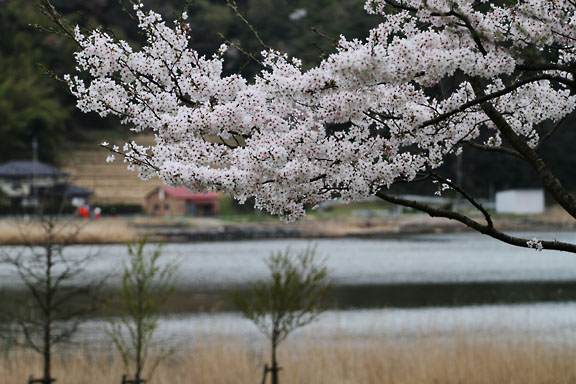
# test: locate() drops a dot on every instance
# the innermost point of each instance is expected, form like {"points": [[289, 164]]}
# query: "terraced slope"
{"points": [[111, 182]]}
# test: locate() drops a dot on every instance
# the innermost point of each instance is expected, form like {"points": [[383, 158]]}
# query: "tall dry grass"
{"points": [[315, 359], [16, 232]]}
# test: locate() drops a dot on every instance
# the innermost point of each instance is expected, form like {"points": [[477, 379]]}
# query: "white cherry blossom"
{"points": [[280, 138]]}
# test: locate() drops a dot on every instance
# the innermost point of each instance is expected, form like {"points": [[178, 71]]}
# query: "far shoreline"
{"points": [[121, 230]]}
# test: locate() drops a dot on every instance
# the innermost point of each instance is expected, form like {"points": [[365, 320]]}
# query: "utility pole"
{"points": [[459, 179], [34, 190]]}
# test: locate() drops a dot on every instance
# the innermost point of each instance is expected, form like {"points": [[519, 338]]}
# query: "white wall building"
{"points": [[520, 201]]}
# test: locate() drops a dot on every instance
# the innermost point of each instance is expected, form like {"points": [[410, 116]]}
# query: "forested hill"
{"points": [[32, 104]]}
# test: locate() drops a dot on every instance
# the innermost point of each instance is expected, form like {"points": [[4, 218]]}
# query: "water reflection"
{"points": [[442, 258], [554, 323], [397, 287], [409, 271]]}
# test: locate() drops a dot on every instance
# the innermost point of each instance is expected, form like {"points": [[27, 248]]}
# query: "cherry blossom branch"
{"points": [[48, 9], [269, 138], [232, 4], [131, 159], [464, 194], [249, 56]]}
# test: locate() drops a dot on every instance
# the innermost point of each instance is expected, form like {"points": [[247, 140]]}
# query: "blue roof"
{"points": [[65, 190], [26, 168]]}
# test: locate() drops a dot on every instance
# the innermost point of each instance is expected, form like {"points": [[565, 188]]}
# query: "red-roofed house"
{"points": [[170, 201]]}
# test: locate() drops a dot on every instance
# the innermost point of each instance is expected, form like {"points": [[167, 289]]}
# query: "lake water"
{"points": [[551, 323], [442, 277], [437, 258]]}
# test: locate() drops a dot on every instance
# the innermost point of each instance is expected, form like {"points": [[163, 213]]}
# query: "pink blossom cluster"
{"points": [[360, 121]]}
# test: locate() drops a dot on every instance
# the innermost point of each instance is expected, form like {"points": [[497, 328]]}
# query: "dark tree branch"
{"points": [[66, 29], [473, 32], [550, 133], [466, 195], [232, 4], [549, 180], [467, 24], [472, 224], [545, 67], [506, 150], [487, 97]]}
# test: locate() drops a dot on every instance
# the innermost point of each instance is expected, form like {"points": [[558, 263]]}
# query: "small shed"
{"points": [[68, 193], [520, 201], [178, 201]]}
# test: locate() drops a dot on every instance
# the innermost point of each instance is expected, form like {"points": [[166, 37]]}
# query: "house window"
{"points": [[156, 207], [191, 208], [166, 207]]}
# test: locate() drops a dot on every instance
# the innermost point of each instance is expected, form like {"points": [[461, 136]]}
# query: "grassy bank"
{"points": [[470, 360]]}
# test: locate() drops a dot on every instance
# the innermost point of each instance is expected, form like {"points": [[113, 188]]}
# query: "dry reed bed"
{"points": [[460, 359], [15, 232]]}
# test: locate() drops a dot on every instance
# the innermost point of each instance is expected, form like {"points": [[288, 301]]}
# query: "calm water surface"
{"points": [[461, 257], [553, 323], [448, 260]]}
